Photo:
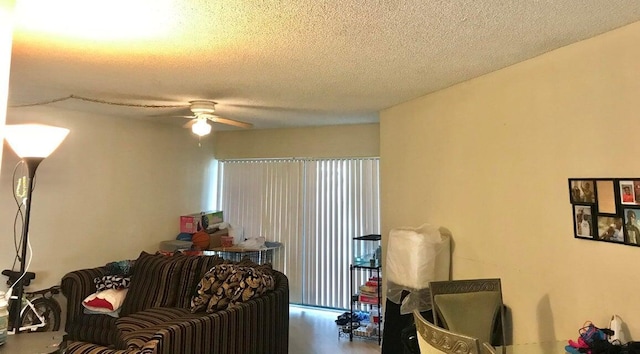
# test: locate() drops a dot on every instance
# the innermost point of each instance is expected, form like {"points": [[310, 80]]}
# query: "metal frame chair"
{"points": [[487, 348], [442, 340], [469, 286]]}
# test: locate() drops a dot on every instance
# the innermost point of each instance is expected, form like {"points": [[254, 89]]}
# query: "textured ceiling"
{"points": [[282, 63]]}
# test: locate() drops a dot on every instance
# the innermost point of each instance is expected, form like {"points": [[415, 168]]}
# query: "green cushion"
{"points": [[472, 314]]}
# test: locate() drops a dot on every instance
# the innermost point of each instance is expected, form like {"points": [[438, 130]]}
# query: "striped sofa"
{"points": [[156, 317]]}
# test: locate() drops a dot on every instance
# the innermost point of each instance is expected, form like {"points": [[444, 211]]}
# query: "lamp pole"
{"points": [[32, 143], [32, 165]]}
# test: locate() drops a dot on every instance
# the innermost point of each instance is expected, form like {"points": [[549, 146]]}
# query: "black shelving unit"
{"points": [[372, 266]]}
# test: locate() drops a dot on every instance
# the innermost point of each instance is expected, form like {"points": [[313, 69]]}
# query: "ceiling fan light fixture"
{"points": [[201, 127], [202, 106]]}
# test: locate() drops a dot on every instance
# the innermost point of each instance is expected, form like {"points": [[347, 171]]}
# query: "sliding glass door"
{"points": [[314, 208]]}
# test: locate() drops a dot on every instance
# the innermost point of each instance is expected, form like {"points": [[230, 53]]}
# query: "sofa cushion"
{"points": [[209, 285], [92, 348], [227, 285], [99, 329], [112, 282], [193, 270], [138, 329], [242, 285], [154, 283]]}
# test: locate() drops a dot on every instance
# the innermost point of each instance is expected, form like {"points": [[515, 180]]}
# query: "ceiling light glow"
{"points": [[201, 127], [106, 20], [34, 140]]}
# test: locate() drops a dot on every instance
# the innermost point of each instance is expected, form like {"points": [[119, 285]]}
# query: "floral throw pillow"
{"points": [[209, 285], [244, 283], [230, 284], [116, 282]]}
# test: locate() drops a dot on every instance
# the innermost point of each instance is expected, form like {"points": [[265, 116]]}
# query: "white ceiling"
{"points": [[283, 63]]}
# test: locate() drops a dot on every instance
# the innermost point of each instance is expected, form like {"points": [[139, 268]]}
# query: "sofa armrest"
{"points": [[257, 326], [76, 347], [76, 286]]}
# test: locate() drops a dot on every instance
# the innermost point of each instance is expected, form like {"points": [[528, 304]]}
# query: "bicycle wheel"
{"points": [[48, 309]]}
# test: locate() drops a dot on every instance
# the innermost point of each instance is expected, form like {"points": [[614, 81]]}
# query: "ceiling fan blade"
{"points": [[235, 123]]}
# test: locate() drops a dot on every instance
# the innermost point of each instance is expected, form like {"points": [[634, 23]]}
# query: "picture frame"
{"points": [[632, 226], [610, 228], [582, 191], [606, 196], [583, 221], [630, 192], [606, 209]]}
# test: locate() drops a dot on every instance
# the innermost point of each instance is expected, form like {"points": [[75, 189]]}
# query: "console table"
{"points": [[258, 255], [33, 343]]}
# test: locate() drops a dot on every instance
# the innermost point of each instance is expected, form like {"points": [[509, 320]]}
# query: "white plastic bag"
{"points": [[253, 243], [236, 232], [415, 257]]}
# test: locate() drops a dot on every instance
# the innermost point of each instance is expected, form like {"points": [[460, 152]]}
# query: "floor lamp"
{"points": [[32, 143]]}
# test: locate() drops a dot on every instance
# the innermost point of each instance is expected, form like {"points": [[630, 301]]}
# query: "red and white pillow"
{"points": [[105, 302]]}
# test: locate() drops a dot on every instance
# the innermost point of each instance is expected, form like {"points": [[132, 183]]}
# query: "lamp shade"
{"points": [[201, 127], [34, 140]]}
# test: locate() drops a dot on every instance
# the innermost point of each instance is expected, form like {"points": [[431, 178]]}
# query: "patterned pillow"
{"points": [[115, 282], [241, 284], [209, 285]]}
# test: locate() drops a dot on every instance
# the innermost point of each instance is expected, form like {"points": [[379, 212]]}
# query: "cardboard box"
{"points": [[215, 238], [189, 224], [215, 241], [192, 223], [213, 217], [227, 241]]}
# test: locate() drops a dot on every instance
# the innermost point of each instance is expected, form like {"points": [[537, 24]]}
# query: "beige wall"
{"points": [[113, 188], [490, 158], [358, 140]]}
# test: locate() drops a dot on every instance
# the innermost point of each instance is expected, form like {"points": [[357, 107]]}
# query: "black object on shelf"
{"points": [[372, 237]]}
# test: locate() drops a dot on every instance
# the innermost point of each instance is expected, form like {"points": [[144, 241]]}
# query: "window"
{"points": [[315, 208]]}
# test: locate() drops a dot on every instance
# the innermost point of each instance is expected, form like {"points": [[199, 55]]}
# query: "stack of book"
{"points": [[369, 292]]}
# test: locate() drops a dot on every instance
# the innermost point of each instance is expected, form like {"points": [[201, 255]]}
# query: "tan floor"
{"points": [[314, 331]]}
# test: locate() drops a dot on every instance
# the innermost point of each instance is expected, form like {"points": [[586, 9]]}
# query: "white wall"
{"points": [[114, 188], [490, 158]]}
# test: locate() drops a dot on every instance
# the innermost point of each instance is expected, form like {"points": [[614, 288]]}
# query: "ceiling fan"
{"points": [[203, 111]]}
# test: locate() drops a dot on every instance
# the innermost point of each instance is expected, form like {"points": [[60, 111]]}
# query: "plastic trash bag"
{"points": [[253, 243], [415, 257]]}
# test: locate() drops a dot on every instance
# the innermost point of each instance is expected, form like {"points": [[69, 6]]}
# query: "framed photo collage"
{"points": [[606, 209]]}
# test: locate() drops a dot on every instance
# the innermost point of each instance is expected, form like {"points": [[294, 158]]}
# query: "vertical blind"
{"points": [[314, 208]]}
